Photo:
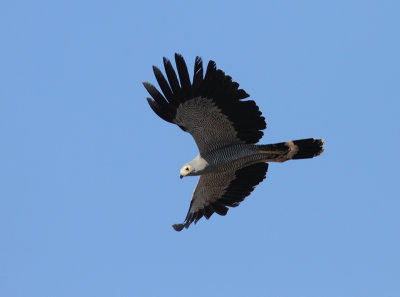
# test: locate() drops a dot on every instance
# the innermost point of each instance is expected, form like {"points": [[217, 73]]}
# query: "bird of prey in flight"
{"points": [[226, 129]]}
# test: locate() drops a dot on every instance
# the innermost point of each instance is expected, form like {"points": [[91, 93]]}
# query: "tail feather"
{"points": [[296, 149]]}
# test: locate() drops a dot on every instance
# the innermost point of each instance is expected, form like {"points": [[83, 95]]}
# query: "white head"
{"points": [[186, 170], [195, 167]]}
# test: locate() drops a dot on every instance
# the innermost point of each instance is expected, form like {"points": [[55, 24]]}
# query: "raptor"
{"points": [[226, 129]]}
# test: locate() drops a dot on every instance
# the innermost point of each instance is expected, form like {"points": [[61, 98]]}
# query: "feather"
{"points": [[183, 74], [173, 81], [162, 82]]}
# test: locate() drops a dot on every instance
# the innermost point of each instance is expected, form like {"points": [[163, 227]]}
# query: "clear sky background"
{"points": [[89, 175]]}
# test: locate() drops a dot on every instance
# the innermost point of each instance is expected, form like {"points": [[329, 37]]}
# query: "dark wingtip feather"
{"points": [[198, 73], [183, 73], [172, 78], [157, 96], [211, 67], [178, 227], [242, 94], [162, 111], [146, 84]]}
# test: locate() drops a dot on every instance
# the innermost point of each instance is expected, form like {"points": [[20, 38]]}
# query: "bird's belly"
{"points": [[233, 157]]}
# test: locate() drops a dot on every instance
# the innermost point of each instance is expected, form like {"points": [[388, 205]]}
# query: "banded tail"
{"points": [[296, 149]]}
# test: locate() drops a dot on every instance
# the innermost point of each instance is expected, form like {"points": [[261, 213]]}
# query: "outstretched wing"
{"points": [[210, 108], [215, 191]]}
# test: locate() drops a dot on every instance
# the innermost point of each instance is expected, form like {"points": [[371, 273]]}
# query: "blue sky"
{"points": [[89, 184]]}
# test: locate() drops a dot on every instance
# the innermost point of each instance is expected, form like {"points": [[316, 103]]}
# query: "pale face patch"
{"points": [[185, 170]]}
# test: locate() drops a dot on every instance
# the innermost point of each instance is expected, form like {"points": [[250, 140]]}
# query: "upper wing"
{"points": [[209, 108], [215, 191]]}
